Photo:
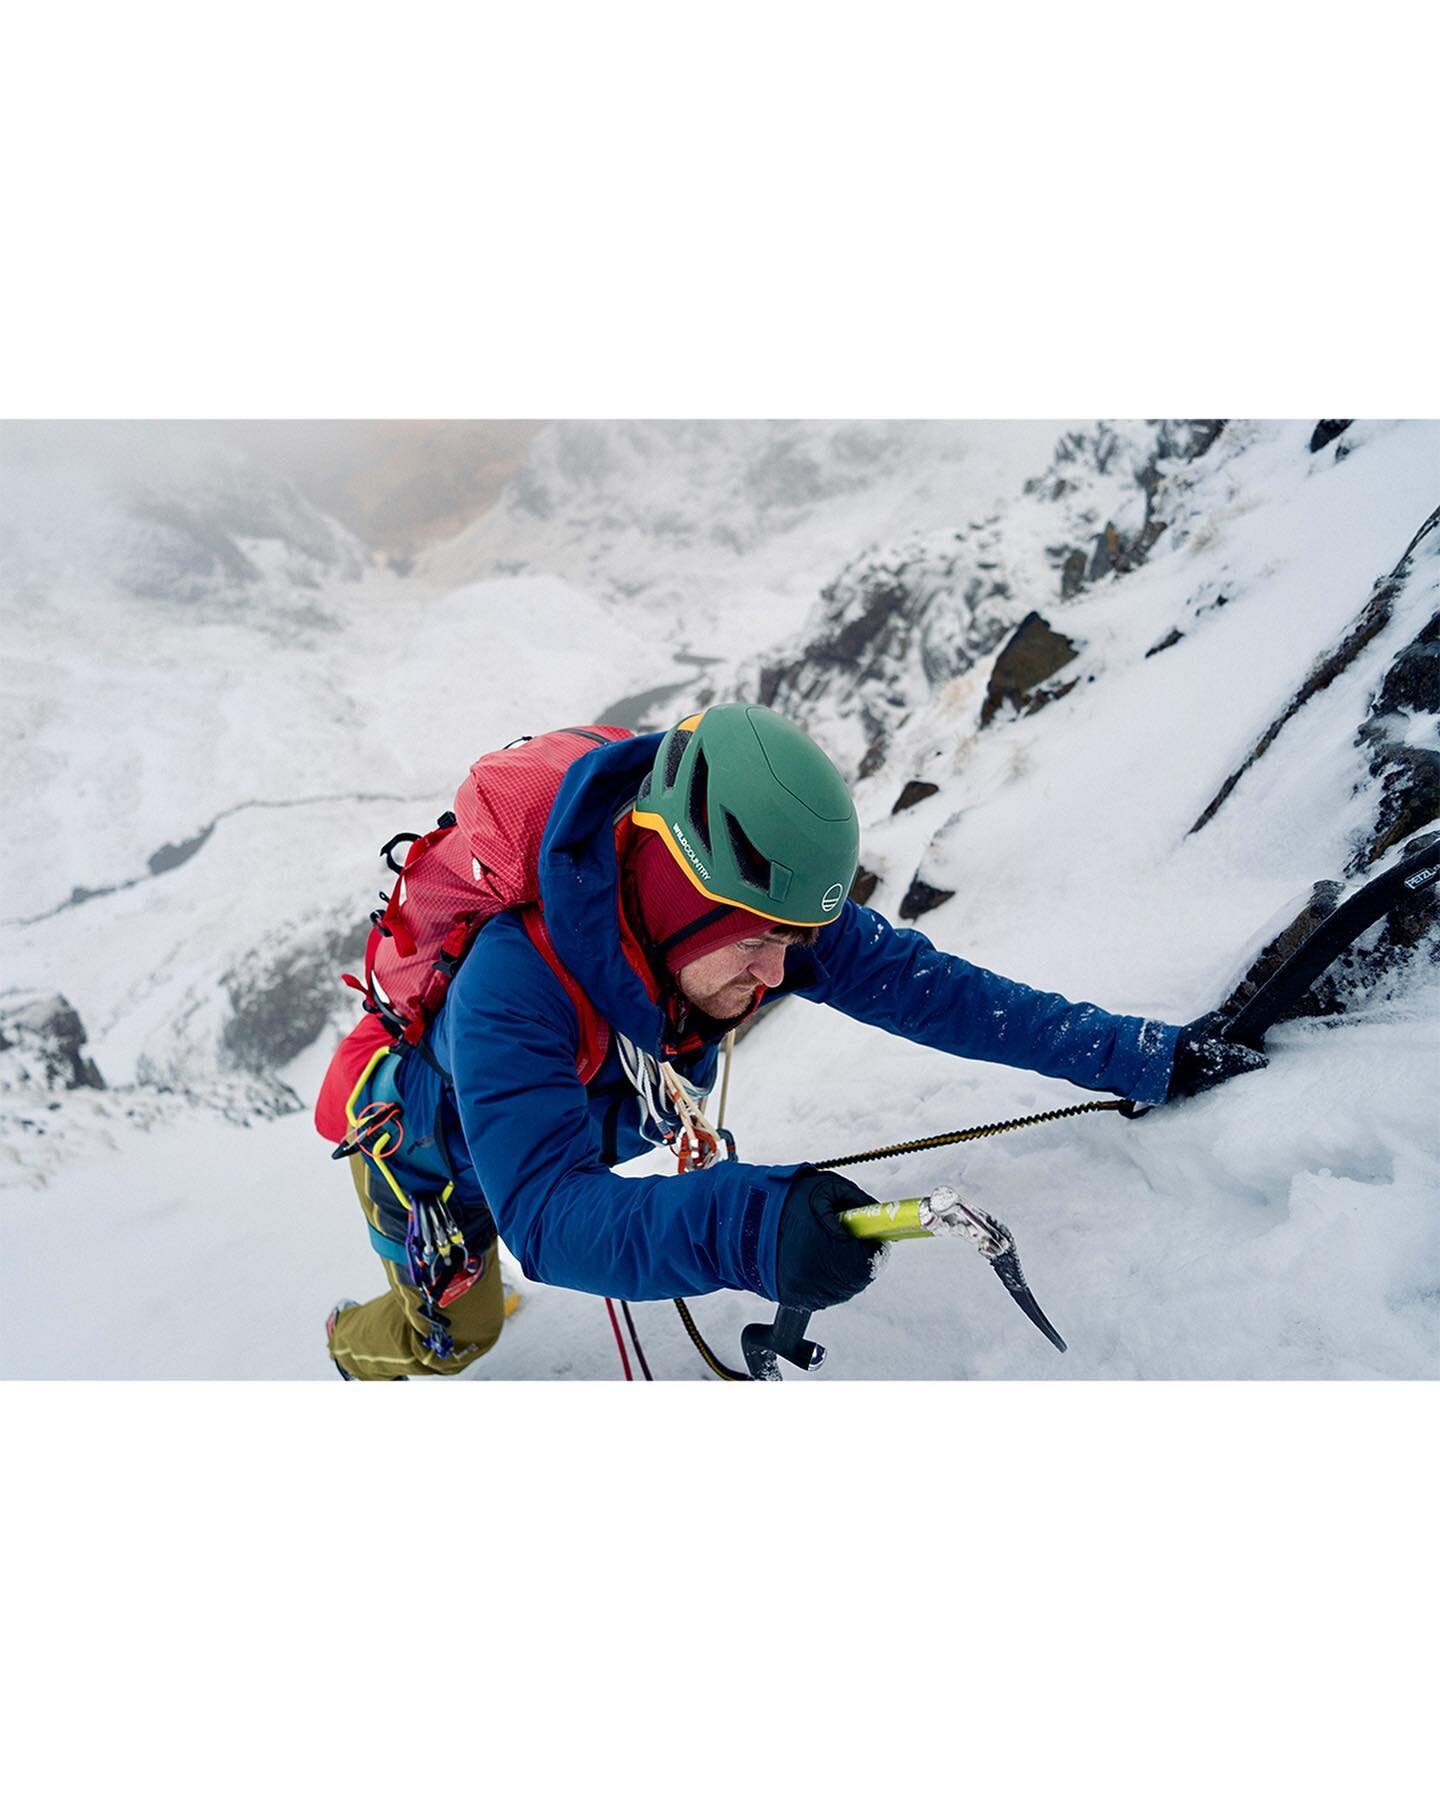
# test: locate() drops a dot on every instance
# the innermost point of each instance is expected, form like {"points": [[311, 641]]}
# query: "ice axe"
{"points": [[940, 1214], [945, 1214]]}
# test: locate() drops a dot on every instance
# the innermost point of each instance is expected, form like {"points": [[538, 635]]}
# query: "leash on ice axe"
{"points": [[939, 1214]]}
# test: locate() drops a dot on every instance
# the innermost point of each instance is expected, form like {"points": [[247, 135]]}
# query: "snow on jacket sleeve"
{"points": [[509, 1038], [898, 980]]}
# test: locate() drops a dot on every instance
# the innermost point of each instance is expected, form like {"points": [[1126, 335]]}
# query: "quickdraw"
{"points": [[665, 1096], [698, 1144]]}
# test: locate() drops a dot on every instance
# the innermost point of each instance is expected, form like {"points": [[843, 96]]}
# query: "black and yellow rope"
{"points": [[968, 1135]]}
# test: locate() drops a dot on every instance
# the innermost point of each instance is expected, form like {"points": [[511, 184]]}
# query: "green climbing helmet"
{"points": [[754, 813]]}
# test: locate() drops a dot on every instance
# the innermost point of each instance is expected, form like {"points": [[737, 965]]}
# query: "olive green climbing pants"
{"points": [[384, 1339]]}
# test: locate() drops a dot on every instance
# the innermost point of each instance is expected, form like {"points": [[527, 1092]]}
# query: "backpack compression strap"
{"points": [[594, 1032]]}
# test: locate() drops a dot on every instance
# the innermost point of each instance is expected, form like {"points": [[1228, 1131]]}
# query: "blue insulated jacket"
{"points": [[525, 1136]]}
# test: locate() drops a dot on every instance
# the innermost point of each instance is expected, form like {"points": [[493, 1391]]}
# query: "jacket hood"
{"points": [[580, 884]]}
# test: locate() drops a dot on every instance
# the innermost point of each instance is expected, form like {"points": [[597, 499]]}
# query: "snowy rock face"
{"points": [[897, 624], [41, 1039], [1400, 731], [283, 995], [1411, 791], [1219, 543]]}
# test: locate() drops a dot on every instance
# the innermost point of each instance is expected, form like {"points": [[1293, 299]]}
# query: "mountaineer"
{"points": [[669, 885]]}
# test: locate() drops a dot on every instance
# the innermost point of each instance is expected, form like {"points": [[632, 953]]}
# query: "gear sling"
{"points": [[432, 1250]]}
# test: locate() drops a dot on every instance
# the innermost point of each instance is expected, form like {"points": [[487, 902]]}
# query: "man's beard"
{"points": [[710, 1023], [733, 1001]]}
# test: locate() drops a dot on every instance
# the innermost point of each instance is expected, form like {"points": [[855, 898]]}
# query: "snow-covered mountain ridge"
{"points": [[1134, 544], [1283, 1226]]}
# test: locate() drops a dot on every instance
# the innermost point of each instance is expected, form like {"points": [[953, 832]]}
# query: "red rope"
{"points": [[619, 1341], [635, 1340]]}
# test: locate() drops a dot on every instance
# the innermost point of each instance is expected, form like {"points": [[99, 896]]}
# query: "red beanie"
{"points": [[669, 902]]}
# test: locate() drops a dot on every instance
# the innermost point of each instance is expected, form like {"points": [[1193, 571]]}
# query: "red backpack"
{"points": [[479, 860]]}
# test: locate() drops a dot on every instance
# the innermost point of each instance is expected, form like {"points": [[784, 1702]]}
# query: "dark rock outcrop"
{"points": [[864, 885], [921, 898], [1034, 653], [912, 794], [1378, 962], [1326, 432], [1324, 898], [1072, 574]]}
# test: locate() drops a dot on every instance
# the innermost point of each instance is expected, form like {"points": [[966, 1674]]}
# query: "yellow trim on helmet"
{"points": [[653, 822]]}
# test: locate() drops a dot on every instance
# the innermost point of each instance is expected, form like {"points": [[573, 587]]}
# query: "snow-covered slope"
{"points": [[1221, 590]]}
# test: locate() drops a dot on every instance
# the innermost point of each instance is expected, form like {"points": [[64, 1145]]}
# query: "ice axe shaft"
{"points": [[784, 1336]]}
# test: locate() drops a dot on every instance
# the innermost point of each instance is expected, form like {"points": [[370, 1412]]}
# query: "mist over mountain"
{"points": [[166, 514], [703, 527]]}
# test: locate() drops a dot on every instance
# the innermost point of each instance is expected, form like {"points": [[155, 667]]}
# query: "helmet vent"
{"points": [[699, 798], [674, 751], [754, 867]]}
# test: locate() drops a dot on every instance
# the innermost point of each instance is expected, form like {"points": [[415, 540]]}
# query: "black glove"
{"points": [[817, 1262], [1203, 1058]]}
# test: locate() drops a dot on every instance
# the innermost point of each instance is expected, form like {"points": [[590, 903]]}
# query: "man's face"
{"points": [[723, 982]]}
